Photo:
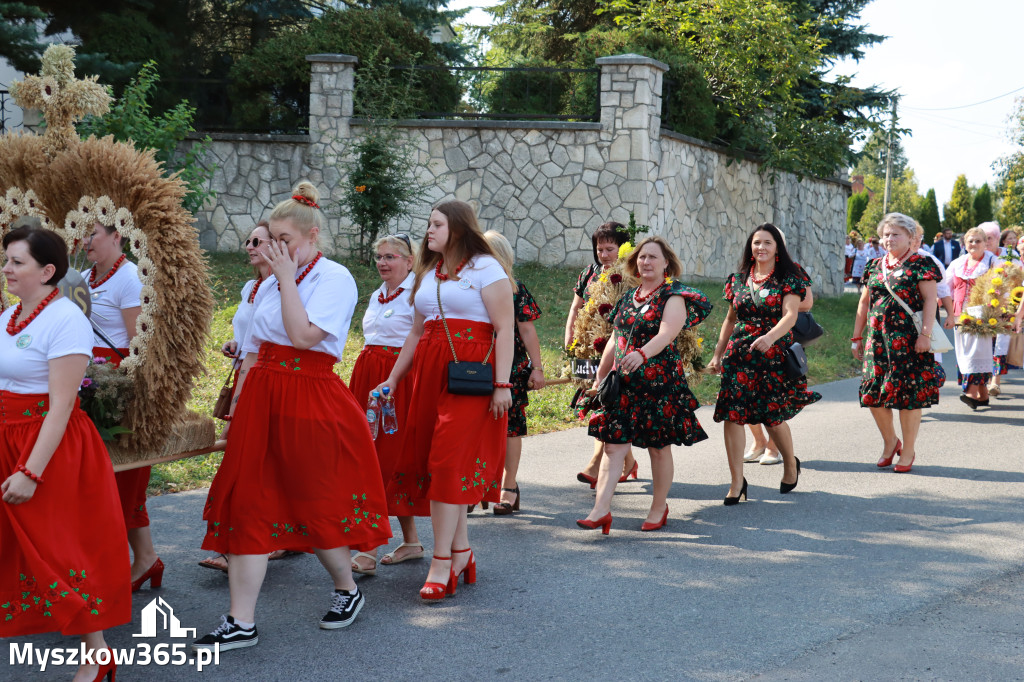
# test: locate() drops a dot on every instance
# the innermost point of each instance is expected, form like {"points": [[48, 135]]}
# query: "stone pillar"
{"points": [[631, 117], [331, 94]]}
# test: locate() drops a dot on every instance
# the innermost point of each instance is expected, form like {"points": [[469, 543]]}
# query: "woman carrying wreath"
{"points": [[900, 372], [63, 551], [764, 298], [606, 241], [656, 407]]}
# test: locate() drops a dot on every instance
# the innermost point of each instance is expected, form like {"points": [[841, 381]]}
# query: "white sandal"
{"points": [[364, 571], [390, 560], [753, 455]]}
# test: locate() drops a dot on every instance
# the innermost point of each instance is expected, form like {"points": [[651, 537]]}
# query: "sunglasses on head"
{"points": [[255, 241], [404, 237]]}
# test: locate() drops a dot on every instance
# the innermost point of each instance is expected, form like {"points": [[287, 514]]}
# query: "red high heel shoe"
{"points": [[886, 461], [905, 468], [468, 571], [155, 576], [587, 478], [108, 671], [655, 526], [604, 523], [432, 591], [632, 472]]}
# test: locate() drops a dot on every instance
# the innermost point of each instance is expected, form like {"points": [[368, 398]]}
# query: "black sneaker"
{"points": [[345, 607], [229, 635]]}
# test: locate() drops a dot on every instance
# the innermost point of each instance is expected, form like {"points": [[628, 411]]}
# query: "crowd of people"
{"points": [[450, 342]]}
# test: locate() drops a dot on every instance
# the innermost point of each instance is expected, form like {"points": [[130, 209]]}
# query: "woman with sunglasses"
{"points": [[116, 293], [386, 324], [255, 248]]}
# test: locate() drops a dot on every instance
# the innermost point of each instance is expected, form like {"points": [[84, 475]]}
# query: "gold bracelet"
{"points": [[928, 335]]}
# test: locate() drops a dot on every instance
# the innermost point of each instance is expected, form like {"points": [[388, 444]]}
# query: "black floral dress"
{"points": [[755, 389], [656, 405], [527, 310], [584, 280], [894, 374]]}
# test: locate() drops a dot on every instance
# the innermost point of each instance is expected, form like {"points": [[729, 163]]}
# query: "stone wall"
{"points": [[547, 186]]}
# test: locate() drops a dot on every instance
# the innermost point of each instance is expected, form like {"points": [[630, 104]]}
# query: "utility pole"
{"points": [[888, 159]]}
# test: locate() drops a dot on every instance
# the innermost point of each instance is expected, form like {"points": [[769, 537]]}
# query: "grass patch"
{"points": [[829, 358]]}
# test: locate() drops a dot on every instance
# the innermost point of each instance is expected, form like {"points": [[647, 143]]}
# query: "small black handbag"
{"points": [[609, 389], [795, 362], [806, 330], [467, 378]]}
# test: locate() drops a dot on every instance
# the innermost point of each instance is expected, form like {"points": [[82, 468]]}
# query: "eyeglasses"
{"points": [[386, 257], [255, 241]]}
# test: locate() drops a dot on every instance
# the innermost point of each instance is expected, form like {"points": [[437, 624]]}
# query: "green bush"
{"points": [[270, 86]]}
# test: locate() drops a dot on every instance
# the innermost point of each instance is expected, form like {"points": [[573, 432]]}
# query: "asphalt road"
{"points": [[857, 574]]}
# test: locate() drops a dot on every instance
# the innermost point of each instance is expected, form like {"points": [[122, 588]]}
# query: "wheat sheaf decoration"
{"points": [[993, 301], [71, 185]]}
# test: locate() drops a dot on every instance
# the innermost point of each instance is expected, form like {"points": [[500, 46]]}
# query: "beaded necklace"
{"points": [[256, 287], [13, 328], [445, 278], [640, 300], [383, 300], [760, 280], [305, 272], [92, 274]]}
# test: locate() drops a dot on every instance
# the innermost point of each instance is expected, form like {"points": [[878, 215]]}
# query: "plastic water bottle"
{"points": [[373, 413], [388, 415]]}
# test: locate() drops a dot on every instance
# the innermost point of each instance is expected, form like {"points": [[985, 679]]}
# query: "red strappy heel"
{"points": [[431, 591], [468, 571]]}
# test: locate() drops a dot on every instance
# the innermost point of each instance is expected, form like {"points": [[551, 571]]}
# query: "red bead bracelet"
{"points": [[24, 469], [502, 384]]}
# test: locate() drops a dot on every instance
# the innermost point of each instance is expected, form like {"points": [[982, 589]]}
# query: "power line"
{"points": [[967, 106]]}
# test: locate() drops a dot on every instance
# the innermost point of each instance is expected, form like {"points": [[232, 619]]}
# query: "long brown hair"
{"points": [[465, 240]]}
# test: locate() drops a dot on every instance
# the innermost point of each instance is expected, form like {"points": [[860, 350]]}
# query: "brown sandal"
{"points": [[508, 508], [214, 562]]}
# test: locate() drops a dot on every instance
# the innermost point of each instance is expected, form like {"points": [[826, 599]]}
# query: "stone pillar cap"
{"points": [[333, 58], [629, 59]]}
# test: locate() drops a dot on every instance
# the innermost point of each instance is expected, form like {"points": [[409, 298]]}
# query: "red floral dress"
{"points": [[894, 374], [527, 310], [584, 280], [656, 406], [755, 389]]}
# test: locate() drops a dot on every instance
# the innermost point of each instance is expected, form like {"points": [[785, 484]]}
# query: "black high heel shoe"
{"points": [[786, 487], [729, 501]]}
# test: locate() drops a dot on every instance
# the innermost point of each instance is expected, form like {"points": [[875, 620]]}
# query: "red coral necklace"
{"points": [[92, 274], [383, 300], [13, 328], [640, 300], [305, 272], [255, 288], [760, 280], [445, 278]]}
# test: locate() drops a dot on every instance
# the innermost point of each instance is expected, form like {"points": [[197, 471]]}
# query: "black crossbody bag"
{"points": [[794, 363], [467, 378], [610, 388]]}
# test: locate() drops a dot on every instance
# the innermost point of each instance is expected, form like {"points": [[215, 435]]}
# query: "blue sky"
{"points": [[939, 54]]}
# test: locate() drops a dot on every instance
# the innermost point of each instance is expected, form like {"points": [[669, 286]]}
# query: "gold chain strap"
{"points": [[449, 334]]}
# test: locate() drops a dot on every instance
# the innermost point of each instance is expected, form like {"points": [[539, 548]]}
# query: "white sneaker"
{"points": [[753, 455], [769, 458]]}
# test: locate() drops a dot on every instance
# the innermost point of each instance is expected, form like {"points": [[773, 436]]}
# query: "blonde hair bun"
{"points": [[308, 190]]}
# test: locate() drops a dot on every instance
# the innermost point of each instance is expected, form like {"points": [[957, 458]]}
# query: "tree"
{"points": [[930, 217], [903, 199], [959, 212], [873, 156], [983, 205], [19, 35], [1011, 173], [855, 207]]}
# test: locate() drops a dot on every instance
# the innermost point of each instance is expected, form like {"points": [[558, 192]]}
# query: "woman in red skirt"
{"points": [[386, 325], [116, 290], [299, 472], [454, 447], [64, 560]]}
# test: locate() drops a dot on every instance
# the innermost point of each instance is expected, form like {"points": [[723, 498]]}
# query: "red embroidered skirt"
{"points": [[63, 554], [299, 471], [132, 483], [373, 366], [454, 449]]}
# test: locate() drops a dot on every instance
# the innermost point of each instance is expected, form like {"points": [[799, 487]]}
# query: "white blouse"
{"points": [[123, 290], [60, 329], [463, 299], [942, 289], [243, 316], [389, 324], [328, 293]]}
